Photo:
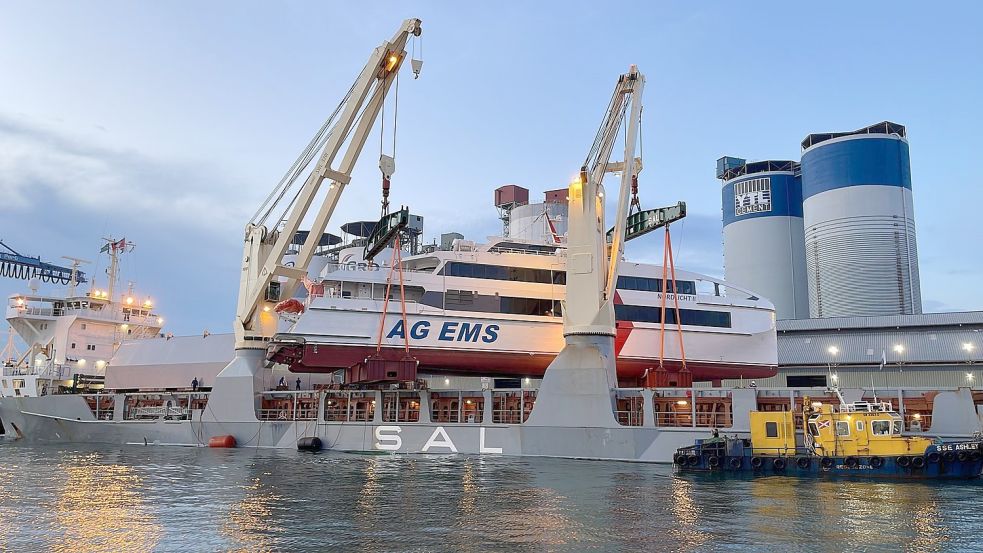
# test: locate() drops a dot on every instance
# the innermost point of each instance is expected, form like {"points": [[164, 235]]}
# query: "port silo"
{"points": [[859, 223], [763, 232]]}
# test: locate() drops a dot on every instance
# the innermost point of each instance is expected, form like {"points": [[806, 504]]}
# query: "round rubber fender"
{"points": [[851, 462], [903, 461], [977, 455], [933, 457], [918, 462], [713, 461], [826, 463], [692, 460], [735, 463], [756, 462], [948, 456], [963, 456], [876, 462], [778, 464], [803, 462]]}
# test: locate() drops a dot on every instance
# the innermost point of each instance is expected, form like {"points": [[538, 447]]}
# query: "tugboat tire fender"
{"points": [[692, 460], [876, 462], [713, 461], [803, 462], [735, 463], [851, 462], [918, 462], [963, 456], [903, 461], [933, 457], [679, 458], [778, 464], [756, 462], [948, 456], [977, 455], [827, 462]]}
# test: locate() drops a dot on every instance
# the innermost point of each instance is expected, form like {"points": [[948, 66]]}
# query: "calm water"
{"points": [[77, 498]]}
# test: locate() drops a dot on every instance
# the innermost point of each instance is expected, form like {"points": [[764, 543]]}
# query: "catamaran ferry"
{"points": [[495, 309]]}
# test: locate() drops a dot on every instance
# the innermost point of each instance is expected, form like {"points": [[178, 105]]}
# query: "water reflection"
{"points": [[147, 498], [100, 508]]}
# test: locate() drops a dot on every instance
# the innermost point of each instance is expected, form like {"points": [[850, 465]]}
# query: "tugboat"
{"points": [[861, 438]]}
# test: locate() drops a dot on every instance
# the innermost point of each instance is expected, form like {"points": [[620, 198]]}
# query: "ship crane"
{"points": [[15, 265], [578, 387], [265, 280], [271, 230]]}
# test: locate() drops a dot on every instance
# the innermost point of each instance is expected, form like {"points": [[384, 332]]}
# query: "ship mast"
{"points": [[115, 248]]}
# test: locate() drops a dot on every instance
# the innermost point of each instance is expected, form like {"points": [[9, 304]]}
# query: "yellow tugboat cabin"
{"points": [[857, 429]]}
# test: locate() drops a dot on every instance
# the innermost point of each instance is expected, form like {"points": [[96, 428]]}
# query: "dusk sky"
{"points": [[168, 123]]}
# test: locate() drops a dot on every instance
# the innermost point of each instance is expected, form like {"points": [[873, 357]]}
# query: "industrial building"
{"points": [[837, 227], [931, 350], [764, 236], [831, 241]]}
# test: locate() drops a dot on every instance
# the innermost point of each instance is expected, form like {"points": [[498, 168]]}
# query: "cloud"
{"points": [[38, 165]]}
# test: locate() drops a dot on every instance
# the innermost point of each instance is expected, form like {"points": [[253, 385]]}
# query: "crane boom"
{"points": [[265, 245], [592, 267]]}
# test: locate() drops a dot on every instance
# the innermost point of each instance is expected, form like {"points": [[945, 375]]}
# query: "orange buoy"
{"points": [[222, 441]]}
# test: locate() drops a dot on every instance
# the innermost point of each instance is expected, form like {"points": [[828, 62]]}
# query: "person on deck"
{"points": [[298, 383], [194, 384], [282, 384]]}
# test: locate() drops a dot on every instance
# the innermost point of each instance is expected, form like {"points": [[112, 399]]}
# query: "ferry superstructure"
{"points": [[496, 309]]}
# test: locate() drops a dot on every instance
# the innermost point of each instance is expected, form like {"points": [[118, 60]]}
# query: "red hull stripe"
{"points": [[330, 358]]}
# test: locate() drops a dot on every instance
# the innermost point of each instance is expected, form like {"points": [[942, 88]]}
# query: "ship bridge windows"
{"points": [[645, 284], [691, 317], [498, 272]]}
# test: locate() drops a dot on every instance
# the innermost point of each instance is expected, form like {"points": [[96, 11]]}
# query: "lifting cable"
{"points": [[669, 266], [397, 266]]}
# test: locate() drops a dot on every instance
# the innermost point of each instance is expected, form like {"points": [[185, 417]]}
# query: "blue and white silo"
{"points": [[763, 232], [859, 223]]}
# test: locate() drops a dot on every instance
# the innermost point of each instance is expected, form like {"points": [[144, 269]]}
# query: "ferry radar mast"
{"points": [[273, 227]]}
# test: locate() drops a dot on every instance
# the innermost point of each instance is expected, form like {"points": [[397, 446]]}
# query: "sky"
{"points": [[168, 123]]}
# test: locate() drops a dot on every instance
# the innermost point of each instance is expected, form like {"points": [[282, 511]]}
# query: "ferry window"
{"points": [[691, 317], [842, 428], [530, 306], [771, 429], [495, 272], [655, 284], [880, 428], [73, 345], [18, 383]]}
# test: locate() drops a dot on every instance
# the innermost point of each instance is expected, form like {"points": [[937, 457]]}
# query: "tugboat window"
{"points": [[771, 429], [860, 426], [897, 427], [880, 428], [842, 428], [813, 429]]}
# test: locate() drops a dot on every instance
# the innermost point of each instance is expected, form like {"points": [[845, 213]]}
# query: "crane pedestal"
{"points": [[238, 380], [577, 389]]}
